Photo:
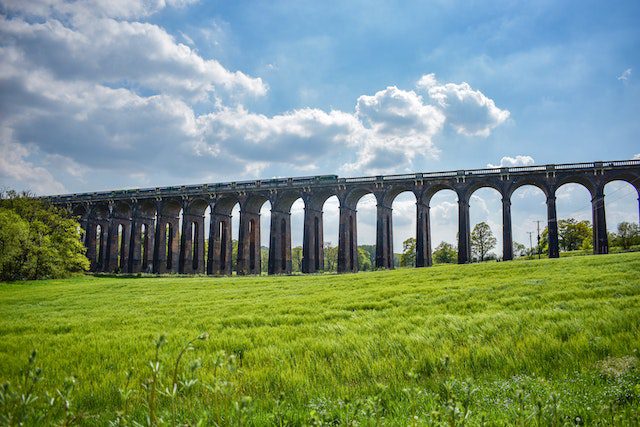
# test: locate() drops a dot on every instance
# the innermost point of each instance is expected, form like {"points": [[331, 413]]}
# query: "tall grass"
{"points": [[544, 342]]}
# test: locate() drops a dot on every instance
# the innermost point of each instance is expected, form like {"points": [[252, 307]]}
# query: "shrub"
{"points": [[37, 240]]}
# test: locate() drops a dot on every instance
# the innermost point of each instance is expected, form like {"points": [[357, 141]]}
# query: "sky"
{"points": [[98, 95]]}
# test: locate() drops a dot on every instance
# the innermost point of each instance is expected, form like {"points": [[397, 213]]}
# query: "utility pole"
{"points": [[538, 224], [530, 243]]}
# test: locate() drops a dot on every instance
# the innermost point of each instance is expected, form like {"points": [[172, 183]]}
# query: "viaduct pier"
{"points": [[141, 230]]}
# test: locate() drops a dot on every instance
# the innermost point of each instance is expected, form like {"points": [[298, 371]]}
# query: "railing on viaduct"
{"points": [[138, 230]]}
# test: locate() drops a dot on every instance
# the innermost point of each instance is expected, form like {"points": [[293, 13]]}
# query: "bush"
{"points": [[37, 240]]}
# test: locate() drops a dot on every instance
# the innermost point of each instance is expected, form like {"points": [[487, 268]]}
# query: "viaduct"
{"points": [[138, 230]]}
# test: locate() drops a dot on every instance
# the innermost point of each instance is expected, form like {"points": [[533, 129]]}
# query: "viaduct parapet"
{"points": [[139, 230]]}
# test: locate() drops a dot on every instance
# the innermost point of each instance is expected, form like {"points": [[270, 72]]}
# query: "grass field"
{"points": [[548, 342]]}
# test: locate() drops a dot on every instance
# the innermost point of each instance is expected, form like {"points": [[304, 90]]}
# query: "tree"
{"points": [[371, 251], [296, 259], [519, 249], [482, 240], [628, 234], [445, 253], [264, 259], [572, 234], [330, 257], [38, 240], [408, 257], [364, 260]]}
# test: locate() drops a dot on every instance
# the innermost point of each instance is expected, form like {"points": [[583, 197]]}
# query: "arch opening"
{"points": [[443, 219], [574, 216], [363, 234], [485, 215], [622, 211], [528, 215], [402, 225], [330, 233], [99, 245], [144, 246], [169, 245]]}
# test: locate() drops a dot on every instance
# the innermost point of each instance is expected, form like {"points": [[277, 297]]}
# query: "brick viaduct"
{"points": [[138, 230]]}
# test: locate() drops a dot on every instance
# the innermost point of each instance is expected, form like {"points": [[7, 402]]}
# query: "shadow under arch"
{"points": [[119, 237], [143, 229], [192, 237], [96, 235], [348, 228], [167, 238], [220, 257], [249, 260]]}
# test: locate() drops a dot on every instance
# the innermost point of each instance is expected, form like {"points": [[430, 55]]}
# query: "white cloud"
{"points": [[121, 54], [468, 111], [518, 160], [397, 125], [626, 75], [636, 157], [92, 86], [14, 165]]}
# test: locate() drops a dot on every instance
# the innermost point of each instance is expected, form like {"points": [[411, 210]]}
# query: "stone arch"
{"points": [[582, 179], [519, 182], [350, 198], [96, 235], [579, 211], [167, 237], [192, 237], [220, 249], [622, 204], [503, 234], [432, 189], [249, 243]]}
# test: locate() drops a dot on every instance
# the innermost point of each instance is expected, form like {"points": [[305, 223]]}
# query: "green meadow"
{"points": [[540, 342]]}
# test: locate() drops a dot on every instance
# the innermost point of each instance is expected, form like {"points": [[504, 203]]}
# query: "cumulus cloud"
{"points": [[297, 136], [396, 126], [636, 157], [518, 160], [468, 111], [15, 166], [93, 86], [121, 53]]}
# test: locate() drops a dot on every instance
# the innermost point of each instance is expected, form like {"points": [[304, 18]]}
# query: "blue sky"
{"points": [[98, 95]]}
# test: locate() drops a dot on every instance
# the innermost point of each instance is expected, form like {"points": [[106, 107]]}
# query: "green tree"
{"points": [[264, 259], [482, 240], [519, 249], [234, 255], [330, 257], [296, 259], [408, 256], [573, 233], [445, 253], [628, 234], [371, 251], [364, 260], [38, 240]]}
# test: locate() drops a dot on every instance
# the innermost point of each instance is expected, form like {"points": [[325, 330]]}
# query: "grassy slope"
{"points": [[411, 338]]}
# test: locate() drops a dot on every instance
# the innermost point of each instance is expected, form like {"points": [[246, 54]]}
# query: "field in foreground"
{"points": [[534, 342]]}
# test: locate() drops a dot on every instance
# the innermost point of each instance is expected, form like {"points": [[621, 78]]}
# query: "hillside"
{"points": [[509, 342]]}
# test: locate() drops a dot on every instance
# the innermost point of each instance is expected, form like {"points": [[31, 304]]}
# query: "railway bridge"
{"points": [[162, 229]]}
